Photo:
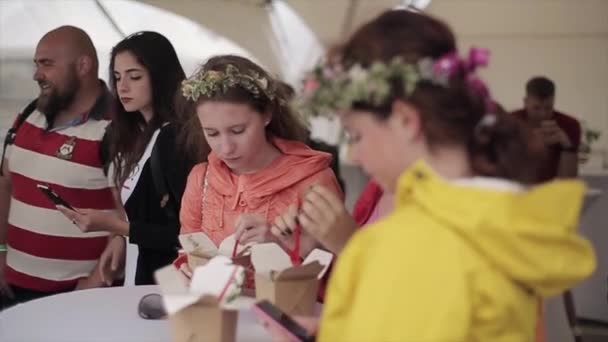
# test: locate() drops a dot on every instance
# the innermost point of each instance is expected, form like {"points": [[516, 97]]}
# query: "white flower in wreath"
{"points": [[357, 73], [425, 68], [263, 83]]}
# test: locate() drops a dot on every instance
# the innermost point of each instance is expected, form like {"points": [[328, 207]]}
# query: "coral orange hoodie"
{"points": [[268, 192]]}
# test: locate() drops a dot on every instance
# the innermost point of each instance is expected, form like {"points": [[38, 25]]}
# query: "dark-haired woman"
{"points": [[147, 164]]}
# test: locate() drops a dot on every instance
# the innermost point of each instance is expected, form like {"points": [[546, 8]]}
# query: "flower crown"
{"points": [[209, 83], [329, 87]]}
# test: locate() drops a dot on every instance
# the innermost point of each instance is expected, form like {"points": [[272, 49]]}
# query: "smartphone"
{"points": [[151, 307], [52, 195], [274, 316]]}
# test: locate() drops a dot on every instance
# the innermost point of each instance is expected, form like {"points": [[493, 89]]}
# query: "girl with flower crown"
{"points": [[470, 247], [258, 167]]}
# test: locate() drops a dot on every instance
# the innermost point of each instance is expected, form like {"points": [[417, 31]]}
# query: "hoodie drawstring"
{"points": [[222, 212], [267, 212]]}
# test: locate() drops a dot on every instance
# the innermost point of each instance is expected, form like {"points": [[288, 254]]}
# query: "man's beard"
{"points": [[52, 103]]}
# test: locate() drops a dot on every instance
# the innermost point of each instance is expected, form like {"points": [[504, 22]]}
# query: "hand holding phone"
{"points": [[53, 196], [276, 318]]}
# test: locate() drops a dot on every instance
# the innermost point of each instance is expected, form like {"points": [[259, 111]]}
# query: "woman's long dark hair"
{"points": [[129, 134]]}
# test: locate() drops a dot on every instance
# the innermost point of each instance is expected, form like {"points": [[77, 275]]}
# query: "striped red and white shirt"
{"points": [[46, 252]]}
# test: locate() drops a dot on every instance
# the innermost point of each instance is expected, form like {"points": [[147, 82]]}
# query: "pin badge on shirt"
{"points": [[66, 150]]}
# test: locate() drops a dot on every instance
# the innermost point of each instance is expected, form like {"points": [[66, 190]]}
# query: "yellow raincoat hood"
{"points": [[528, 234]]}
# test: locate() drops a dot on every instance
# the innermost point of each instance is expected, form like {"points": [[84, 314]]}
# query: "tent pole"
{"points": [[108, 16]]}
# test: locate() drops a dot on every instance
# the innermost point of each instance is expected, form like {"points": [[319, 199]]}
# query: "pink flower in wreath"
{"points": [[310, 86]]}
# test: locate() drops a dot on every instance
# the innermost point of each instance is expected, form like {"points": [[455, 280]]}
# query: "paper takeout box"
{"points": [[199, 311], [200, 248], [291, 288]]}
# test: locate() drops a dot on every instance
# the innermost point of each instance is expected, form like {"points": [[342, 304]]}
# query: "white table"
{"points": [[108, 314]]}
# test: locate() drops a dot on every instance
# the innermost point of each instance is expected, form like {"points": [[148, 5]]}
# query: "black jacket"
{"points": [[152, 227]]}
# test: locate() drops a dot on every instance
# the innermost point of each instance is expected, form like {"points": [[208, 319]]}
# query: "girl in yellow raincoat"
{"points": [[470, 248]]}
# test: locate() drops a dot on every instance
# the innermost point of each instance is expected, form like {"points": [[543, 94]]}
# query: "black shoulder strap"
{"points": [[12, 132], [162, 189]]}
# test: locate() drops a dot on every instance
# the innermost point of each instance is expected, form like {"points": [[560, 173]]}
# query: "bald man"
{"points": [[56, 142], [66, 71]]}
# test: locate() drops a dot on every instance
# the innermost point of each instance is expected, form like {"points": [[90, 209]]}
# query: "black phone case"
{"points": [[51, 195], [285, 320]]}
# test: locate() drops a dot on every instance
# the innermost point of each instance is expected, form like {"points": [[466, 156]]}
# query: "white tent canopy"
{"points": [[272, 31], [24, 22], [286, 36], [250, 22]]}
